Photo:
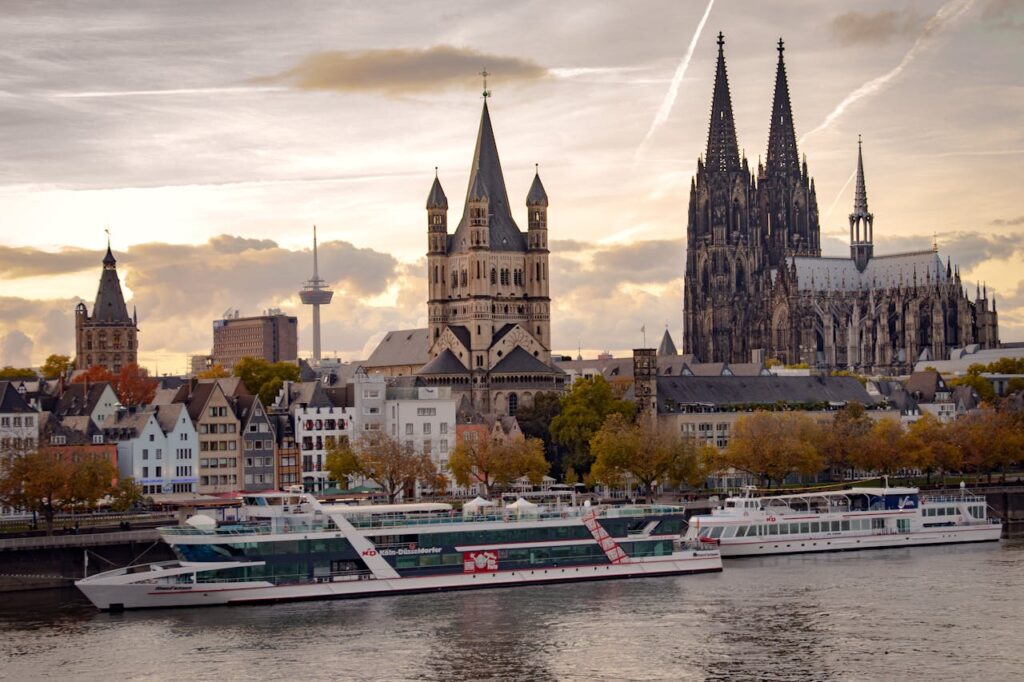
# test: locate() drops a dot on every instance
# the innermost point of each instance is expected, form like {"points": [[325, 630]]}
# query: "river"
{"points": [[954, 612]]}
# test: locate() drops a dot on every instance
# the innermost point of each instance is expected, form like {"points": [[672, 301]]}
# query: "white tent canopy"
{"points": [[522, 506], [476, 504]]}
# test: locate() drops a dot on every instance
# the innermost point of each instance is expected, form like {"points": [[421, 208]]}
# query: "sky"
{"points": [[209, 138]]}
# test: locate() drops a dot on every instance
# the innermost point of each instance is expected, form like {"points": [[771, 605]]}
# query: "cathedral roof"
{"points": [[537, 196], [436, 198], [487, 181], [674, 392], [783, 159], [400, 347], [667, 347], [110, 307], [881, 272], [445, 363], [723, 150], [520, 360]]}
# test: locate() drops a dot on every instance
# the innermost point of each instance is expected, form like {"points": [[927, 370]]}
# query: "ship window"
{"points": [[741, 532], [729, 532], [773, 530], [835, 526], [846, 525], [716, 532], [878, 523], [814, 526], [805, 527]]}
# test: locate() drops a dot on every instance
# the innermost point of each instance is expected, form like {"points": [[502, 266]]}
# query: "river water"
{"points": [[954, 612]]}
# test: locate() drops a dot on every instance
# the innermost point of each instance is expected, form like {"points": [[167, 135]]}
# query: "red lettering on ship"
{"points": [[369, 552], [479, 562], [770, 519]]}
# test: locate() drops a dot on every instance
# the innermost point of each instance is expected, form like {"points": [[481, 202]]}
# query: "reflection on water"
{"points": [[943, 612]]}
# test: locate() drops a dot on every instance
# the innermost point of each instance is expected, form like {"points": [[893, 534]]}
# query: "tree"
{"points": [[392, 465], [56, 366], [989, 441], [263, 378], [772, 445], [928, 446], [847, 437], [583, 410], [495, 463], [89, 479], [884, 450], [342, 461], [127, 494], [95, 374], [535, 419], [979, 383], [645, 452], [36, 482], [134, 387], [1014, 385], [215, 372], [9, 372]]}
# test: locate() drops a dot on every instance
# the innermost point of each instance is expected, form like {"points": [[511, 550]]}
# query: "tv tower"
{"points": [[316, 294]]}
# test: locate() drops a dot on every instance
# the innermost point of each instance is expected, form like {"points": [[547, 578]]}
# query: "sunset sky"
{"points": [[211, 137]]}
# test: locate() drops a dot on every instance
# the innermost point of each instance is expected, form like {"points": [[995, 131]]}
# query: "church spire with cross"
{"points": [[783, 159], [723, 150]]}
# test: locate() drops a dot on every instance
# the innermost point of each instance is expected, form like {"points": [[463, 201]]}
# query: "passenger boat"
{"points": [[855, 518], [290, 546]]}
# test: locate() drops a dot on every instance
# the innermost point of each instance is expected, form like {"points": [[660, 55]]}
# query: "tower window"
{"points": [[494, 276], [513, 404]]}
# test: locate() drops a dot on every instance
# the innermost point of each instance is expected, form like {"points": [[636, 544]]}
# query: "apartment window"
{"points": [[444, 427], [145, 453], [159, 472], [203, 428], [371, 393], [408, 429], [409, 445], [145, 472], [182, 436], [5, 421], [426, 411], [152, 438], [159, 453], [426, 429], [29, 422], [444, 445], [17, 421], [258, 445]]}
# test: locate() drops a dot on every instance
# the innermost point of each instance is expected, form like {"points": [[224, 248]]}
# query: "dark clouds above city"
{"points": [[210, 137]]}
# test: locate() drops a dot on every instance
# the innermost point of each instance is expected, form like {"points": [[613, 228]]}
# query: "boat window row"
{"points": [[805, 527], [233, 550], [977, 512], [500, 536]]}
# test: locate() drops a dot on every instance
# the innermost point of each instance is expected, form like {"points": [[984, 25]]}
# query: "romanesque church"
{"points": [[489, 307], [757, 287]]}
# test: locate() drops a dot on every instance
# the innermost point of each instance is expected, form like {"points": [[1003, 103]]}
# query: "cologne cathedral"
{"points": [[757, 287]]}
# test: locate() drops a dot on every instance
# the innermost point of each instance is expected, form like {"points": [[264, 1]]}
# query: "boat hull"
{"points": [[852, 542], [120, 596]]}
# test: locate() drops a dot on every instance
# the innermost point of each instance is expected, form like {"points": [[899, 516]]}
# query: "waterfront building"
{"points": [[273, 337], [489, 305], [210, 404], [423, 419], [257, 445], [181, 475], [157, 447], [756, 283], [318, 424], [108, 337], [288, 465], [19, 423], [73, 438]]}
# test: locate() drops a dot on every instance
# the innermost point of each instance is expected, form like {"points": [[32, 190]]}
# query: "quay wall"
{"points": [[1008, 505], [42, 565]]}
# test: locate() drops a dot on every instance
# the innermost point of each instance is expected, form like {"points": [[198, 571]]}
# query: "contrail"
{"points": [[948, 13], [673, 88], [836, 200]]}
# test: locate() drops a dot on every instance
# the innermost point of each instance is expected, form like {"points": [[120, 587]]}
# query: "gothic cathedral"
{"points": [[757, 287], [489, 305]]}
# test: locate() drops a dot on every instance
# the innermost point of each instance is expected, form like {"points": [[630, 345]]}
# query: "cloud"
{"points": [[399, 71], [29, 262], [874, 28], [1006, 14], [948, 14], [1009, 222], [16, 349]]}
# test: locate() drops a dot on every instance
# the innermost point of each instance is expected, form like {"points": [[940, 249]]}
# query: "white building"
{"points": [[157, 448], [319, 421], [19, 422], [423, 419]]}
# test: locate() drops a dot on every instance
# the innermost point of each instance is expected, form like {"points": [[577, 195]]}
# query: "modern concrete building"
{"points": [[273, 337]]}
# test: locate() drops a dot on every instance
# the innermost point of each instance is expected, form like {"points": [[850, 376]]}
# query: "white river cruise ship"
{"points": [[290, 546], [851, 519]]}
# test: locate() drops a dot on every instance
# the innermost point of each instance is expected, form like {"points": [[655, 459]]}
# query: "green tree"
{"points": [[9, 372], [1014, 385], [56, 366], [342, 462], [392, 465], [979, 383], [263, 378], [127, 494], [583, 410], [535, 419]]}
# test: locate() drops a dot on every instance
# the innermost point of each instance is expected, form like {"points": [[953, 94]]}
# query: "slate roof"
{"points": [[667, 346], [841, 274], [487, 179], [109, 307], [924, 385], [80, 398], [436, 198], [11, 401], [168, 416], [445, 363], [765, 390], [500, 334], [342, 395], [519, 360], [400, 347], [537, 196], [462, 334]]}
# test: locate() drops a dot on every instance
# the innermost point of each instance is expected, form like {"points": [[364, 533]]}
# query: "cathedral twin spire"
{"points": [[783, 160], [723, 150]]}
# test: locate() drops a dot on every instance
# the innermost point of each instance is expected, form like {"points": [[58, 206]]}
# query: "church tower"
{"points": [[108, 337], [786, 197], [489, 301], [862, 223], [724, 254]]}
